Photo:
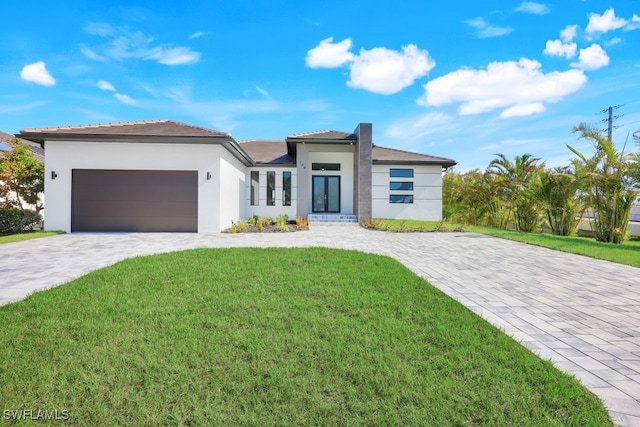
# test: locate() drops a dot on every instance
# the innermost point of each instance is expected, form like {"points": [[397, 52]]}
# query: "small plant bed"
{"points": [[407, 225], [256, 224], [274, 336]]}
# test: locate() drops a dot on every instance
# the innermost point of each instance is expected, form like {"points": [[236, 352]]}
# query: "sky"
{"points": [[458, 79]]}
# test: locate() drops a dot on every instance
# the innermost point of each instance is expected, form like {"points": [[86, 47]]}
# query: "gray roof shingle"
{"points": [[267, 151], [147, 128], [394, 155]]}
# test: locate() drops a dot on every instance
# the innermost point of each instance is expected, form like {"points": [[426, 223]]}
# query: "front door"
{"points": [[326, 194]]}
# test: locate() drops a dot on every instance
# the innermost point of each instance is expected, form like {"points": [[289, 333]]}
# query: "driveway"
{"points": [[582, 314]]}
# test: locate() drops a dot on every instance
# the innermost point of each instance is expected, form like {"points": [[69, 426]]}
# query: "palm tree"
{"points": [[609, 184], [558, 191], [515, 178]]}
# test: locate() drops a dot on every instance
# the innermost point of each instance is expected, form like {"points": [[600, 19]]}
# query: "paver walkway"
{"points": [[581, 313]]}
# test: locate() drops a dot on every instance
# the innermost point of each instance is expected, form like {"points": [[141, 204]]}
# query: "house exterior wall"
{"points": [[325, 153], [229, 195], [64, 156], [261, 209], [427, 193]]}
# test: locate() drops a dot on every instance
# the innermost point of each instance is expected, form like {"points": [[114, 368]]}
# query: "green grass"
{"points": [[273, 337], [409, 225], [626, 253], [10, 238]]}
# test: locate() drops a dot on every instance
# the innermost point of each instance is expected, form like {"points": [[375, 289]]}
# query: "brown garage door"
{"points": [[132, 200]]}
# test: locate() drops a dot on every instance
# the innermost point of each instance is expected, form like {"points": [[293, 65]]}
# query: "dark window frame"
{"points": [[286, 188], [255, 188], [401, 198], [400, 173], [325, 167], [401, 186], [271, 188]]}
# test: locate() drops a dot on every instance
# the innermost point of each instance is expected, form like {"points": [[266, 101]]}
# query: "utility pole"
{"points": [[610, 119], [610, 127]]}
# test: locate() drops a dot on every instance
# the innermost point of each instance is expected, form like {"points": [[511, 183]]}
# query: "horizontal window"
{"points": [[398, 185], [401, 173], [325, 166], [401, 198]]}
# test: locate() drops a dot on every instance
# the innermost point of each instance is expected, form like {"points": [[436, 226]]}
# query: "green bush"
{"points": [[12, 219], [9, 219]]}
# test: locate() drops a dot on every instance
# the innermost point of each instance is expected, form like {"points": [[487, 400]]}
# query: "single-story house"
{"points": [[164, 175]]}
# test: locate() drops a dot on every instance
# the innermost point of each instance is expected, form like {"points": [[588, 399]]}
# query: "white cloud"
{"points": [[106, 86], [415, 128], [534, 8], [385, 71], [517, 88], [605, 22], [125, 99], [520, 110], [378, 70], [485, 30], [569, 33], [91, 54], [173, 55], [196, 35], [122, 44], [557, 48], [262, 92], [614, 41], [329, 55], [37, 73], [591, 58]]}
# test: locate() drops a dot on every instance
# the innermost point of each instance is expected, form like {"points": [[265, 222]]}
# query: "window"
{"points": [[286, 188], [401, 173], [399, 185], [325, 166], [401, 198], [271, 188], [255, 187]]}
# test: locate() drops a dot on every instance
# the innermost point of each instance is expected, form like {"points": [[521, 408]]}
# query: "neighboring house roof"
{"points": [[141, 131], [271, 151], [35, 148], [384, 155]]}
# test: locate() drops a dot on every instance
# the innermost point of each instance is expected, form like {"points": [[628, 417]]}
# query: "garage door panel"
{"points": [[116, 200]]}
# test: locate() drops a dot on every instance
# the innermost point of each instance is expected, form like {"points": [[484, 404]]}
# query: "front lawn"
{"points": [[272, 337], [10, 238]]}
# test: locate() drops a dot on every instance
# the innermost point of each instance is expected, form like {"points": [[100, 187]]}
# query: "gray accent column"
{"points": [[362, 171]]}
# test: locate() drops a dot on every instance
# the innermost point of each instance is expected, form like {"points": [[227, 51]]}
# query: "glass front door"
{"points": [[326, 194]]}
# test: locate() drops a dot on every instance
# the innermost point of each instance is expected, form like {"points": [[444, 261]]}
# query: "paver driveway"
{"points": [[581, 313]]}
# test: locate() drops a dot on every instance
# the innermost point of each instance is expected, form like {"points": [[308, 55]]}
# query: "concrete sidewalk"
{"points": [[581, 313]]}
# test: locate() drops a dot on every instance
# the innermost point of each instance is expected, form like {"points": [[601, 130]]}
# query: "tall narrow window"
{"points": [[255, 187], [286, 188], [271, 188]]}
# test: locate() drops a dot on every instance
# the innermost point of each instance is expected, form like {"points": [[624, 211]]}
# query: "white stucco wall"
{"points": [[262, 210], [345, 173], [427, 193], [64, 156]]}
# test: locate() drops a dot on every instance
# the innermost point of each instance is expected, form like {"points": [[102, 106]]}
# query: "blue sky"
{"points": [[460, 79]]}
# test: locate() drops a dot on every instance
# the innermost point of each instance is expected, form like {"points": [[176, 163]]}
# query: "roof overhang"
{"points": [[225, 140]]}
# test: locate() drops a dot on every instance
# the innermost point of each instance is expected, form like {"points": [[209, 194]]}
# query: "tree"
{"points": [[515, 179], [558, 191], [609, 184], [21, 182]]}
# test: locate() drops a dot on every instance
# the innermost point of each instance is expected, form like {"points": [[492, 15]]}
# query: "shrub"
{"points": [[10, 219], [302, 223], [282, 220]]}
